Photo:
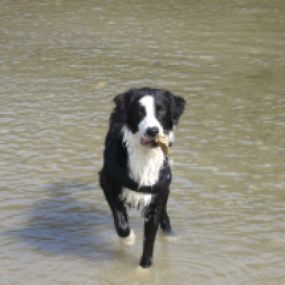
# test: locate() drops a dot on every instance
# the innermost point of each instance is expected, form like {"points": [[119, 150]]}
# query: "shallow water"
{"points": [[61, 62]]}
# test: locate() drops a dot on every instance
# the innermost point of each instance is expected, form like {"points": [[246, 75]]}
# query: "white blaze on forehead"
{"points": [[148, 103], [149, 120]]}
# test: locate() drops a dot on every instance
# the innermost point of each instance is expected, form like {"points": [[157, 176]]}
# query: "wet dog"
{"points": [[136, 171]]}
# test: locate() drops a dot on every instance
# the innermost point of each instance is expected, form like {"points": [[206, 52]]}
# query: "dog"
{"points": [[136, 172]]}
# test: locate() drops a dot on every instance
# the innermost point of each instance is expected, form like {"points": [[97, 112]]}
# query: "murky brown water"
{"points": [[61, 62]]}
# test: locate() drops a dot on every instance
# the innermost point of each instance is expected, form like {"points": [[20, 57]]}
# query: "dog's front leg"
{"points": [[150, 228], [165, 220]]}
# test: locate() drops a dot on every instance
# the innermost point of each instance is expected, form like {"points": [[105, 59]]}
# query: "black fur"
{"points": [[114, 174]]}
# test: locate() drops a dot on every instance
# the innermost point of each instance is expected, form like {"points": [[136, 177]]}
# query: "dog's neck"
{"points": [[144, 163]]}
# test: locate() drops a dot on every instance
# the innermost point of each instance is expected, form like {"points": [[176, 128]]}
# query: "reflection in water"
{"points": [[61, 62]]}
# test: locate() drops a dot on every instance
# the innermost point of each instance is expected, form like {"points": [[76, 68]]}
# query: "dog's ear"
{"points": [[119, 101], [123, 102], [178, 106]]}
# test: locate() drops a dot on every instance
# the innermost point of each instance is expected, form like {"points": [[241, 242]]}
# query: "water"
{"points": [[61, 62]]}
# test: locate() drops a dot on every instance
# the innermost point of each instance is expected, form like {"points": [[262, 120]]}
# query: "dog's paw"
{"points": [[144, 270], [168, 232], [171, 236], [146, 262], [128, 240], [166, 228]]}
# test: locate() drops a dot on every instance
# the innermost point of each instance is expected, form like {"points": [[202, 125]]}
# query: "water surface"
{"points": [[61, 62]]}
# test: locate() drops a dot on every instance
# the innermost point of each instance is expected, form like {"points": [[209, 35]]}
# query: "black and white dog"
{"points": [[136, 172]]}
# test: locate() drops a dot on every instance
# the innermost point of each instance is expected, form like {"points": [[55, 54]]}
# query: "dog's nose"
{"points": [[152, 132]]}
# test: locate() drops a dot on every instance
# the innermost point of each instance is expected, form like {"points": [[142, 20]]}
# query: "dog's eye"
{"points": [[160, 109], [141, 110]]}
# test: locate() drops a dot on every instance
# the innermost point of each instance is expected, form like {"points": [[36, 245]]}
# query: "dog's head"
{"points": [[149, 113]]}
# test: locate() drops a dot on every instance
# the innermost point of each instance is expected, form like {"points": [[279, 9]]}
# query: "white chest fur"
{"points": [[144, 165]]}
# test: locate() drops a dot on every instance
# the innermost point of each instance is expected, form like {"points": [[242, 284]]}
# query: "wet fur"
{"points": [[135, 175]]}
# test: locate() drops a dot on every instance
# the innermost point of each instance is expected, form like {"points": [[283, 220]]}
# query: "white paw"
{"points": [[129, 240]]}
